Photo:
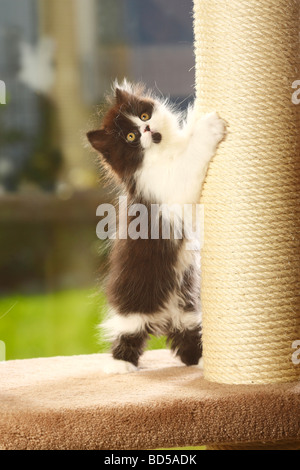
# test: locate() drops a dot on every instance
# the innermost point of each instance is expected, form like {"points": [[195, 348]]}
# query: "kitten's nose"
{"points": [[147, 129]]}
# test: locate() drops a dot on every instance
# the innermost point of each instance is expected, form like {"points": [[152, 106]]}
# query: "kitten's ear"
{"points": [[122, 96], [98, 140]]}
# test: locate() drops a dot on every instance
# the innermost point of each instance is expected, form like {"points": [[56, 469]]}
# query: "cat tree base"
{"points": [[280, 445], [66, 403]]}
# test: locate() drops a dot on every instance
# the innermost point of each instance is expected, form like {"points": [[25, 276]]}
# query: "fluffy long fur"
{"points": [[153, 287]]}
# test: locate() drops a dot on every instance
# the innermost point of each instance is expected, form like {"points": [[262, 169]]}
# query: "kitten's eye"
{"points": [[145, 117], [131, 137]]}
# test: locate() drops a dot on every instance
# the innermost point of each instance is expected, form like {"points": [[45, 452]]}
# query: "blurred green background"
{"points": [[61, 323], [58, 59]]}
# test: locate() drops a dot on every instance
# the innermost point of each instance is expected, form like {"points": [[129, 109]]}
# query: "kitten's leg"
{"points": [[185, 335], [203, 136], [187, 345], [206, 133], [129, 338], [129, 347]]}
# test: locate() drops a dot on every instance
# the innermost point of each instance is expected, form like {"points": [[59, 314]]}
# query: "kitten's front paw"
{"points": [[215, 126], [115, 366]]}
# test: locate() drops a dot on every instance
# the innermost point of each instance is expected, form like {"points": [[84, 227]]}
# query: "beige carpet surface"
{"points": [[68, 403]]}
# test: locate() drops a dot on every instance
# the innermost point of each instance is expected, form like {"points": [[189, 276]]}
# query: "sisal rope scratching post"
{"points": [[247, 58]]}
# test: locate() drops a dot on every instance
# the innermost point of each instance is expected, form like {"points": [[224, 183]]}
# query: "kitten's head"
{"points": [[136, 123]]}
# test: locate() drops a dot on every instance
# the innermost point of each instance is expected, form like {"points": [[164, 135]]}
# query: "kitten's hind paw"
{"points": [[115, 366], [216, 126], [201, 363]]}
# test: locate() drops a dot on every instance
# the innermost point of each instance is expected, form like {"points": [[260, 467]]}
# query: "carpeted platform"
{"points": [[67, 403]]}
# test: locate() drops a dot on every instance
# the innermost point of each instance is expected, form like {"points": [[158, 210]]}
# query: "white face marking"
{"points": [[146, 140], [146, 129]]}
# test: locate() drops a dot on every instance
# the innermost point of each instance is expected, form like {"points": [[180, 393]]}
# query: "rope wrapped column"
{"points": [[247, 58]]}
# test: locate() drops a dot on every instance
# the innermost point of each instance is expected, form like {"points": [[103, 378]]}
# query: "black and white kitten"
{"points": [[153, 286]]}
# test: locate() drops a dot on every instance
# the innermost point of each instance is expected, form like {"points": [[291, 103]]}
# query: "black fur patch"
{"points": [[129, 347], [187, 345]]}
